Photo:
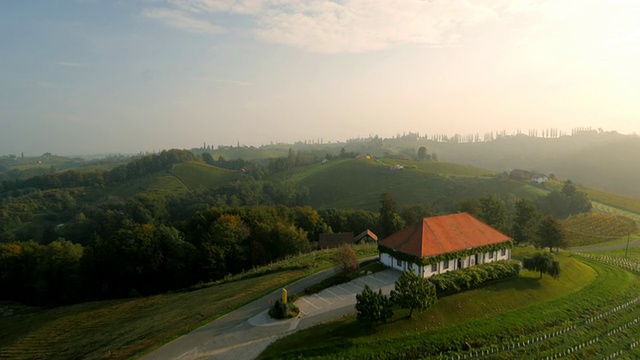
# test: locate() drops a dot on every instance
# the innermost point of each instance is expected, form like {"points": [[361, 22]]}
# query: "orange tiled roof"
{"points": [[443, 234]]}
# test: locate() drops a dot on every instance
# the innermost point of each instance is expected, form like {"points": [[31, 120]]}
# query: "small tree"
{"points": [[373, 307], [544, 263], [345, 261], [413, 292]]}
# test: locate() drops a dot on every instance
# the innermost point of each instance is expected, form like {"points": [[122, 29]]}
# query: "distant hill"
{"points": [[596, 159], [603, 161]]}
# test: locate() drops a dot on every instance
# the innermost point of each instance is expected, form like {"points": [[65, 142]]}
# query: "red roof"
{"points": [[443, 234]]}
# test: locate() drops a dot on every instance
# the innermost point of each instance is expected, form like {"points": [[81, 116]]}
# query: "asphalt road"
{"points": [[244, 333]]}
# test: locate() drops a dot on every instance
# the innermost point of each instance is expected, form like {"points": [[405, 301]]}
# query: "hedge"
{"points": [[468, 278]]}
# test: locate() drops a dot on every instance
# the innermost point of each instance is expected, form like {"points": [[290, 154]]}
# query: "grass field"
{"points": [[526, 306], [123, 328], [198, 175]]}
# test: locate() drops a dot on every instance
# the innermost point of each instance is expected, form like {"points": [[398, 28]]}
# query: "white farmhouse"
{"points": [[539, 178], [440, 244]]}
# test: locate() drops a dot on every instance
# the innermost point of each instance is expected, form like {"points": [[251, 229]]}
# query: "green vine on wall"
{"points": [[444, 257]]}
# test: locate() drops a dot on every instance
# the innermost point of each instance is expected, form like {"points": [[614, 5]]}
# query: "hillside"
{"points": [[358, 183]]}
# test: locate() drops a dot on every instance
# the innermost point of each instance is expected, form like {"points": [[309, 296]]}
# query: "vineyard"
{"points": [[590, 229], [614, 211], [609, 334]]}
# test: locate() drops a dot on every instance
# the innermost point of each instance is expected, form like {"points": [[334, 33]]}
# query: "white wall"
{"points": [[426, 272]]}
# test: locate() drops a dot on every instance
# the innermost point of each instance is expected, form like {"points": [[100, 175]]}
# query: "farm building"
{"points": [[440, 244], [334, 240], [366, 237]]}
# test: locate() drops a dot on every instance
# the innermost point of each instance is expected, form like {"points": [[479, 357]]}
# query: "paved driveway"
{"points": [[247, 331]]}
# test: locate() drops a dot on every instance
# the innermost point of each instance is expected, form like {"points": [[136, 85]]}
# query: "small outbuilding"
{"points": [[334, 240], [366, 237], [444, 243]]}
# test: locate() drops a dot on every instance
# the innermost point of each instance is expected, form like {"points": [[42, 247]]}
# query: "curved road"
{"points": [[245, 332]]}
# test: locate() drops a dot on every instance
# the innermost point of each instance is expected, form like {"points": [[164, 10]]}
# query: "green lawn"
{"points": [[476, 318], [123, 328]]}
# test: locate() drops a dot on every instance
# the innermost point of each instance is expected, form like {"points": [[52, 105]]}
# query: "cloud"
{"points": [[365, 25], [181, 20], [352, 26], [217, 6]]}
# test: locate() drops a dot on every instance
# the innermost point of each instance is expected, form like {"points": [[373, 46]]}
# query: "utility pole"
{"points": [[627, 250]]}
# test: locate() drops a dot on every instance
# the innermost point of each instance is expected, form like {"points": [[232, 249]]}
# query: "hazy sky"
{"points": [[79, 77]]}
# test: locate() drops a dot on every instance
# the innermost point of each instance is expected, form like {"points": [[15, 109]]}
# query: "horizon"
{"points": [[92, 77], [496, 133]]}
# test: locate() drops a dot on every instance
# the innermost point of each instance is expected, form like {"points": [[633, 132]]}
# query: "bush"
{"points": [[373, 307], [472, 277], [283, 311]]}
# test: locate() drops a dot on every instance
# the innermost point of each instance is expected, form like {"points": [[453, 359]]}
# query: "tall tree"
{"points": [[411, 214], [422, 153], [390, 221], [413, 292], [550, 233], [525, 223], [493, 212]]}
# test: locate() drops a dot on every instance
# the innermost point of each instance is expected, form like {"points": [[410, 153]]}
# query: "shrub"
{"points": [[373, 307], [472, 277], [283, 311]]}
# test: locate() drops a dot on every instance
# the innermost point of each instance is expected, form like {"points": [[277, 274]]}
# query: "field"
{"points": [[587, 229], [181, 178], [198, 175], [123, 328], [460, 323]]}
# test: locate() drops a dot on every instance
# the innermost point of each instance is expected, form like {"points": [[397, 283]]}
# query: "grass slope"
{"points": [[181, 178], [123, 328], [358, 183], [198, 175], [520, 307]]}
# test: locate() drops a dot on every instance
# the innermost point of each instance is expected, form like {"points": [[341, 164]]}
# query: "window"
{"points": [[445, 264], [503, 252], [434, 267], [491, 254], [398, 262]]}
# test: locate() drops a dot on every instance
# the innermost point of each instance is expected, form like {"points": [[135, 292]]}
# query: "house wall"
{"points": [[427, 271]]}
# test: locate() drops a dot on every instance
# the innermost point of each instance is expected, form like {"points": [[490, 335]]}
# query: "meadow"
{"points": [[491, 318], [124, 328]]}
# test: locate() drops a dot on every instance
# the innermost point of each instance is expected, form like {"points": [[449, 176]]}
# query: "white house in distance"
{"points": [[439, 244], [539, 178]]}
